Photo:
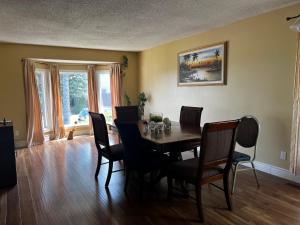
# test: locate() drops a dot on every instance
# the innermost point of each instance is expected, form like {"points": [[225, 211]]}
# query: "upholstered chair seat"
{"points": [[187, 170], [117, 152], [239, 157]]}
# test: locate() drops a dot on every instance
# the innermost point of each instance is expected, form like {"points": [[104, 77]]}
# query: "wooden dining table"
{"points": [[169, 141]]}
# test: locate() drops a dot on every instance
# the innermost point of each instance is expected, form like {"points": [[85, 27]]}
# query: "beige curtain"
{"points": [[295, 139], [92, 91], [115, 86], [33, 109], [57, 118]]}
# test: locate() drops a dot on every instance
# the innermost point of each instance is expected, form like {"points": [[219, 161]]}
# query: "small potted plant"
{"points": [[127, 100], [142, 99], [156, 117]]}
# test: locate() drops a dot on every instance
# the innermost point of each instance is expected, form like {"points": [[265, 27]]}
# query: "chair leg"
{"points": [[124, 167], [232, 170], [126, 179], [234, 178], [110, 167], [255, 175], [170, 187], [98, 165], [195, 153], [180, 156], [226, 190], [199, 202]]}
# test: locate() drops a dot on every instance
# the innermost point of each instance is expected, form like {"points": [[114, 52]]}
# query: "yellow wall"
{"points": [[261, 59], [12, 100]]}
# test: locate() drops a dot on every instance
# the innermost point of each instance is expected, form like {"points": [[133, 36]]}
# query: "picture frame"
{"points": [[203, 66]]}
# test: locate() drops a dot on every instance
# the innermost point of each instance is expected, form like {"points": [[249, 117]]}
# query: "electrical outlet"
{"points": [[17, 133], [282, 155]]}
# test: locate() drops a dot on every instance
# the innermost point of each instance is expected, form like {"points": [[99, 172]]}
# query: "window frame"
{"points": [[98, 80], [71, 126], [47, 97]]}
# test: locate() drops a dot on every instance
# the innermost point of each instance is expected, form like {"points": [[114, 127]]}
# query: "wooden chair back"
{"points": [[127, 113], [190, 116], [100, 130], [217, 145], [132, 142]]}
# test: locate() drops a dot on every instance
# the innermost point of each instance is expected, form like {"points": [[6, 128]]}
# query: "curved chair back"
{"points": [[190, 116], [100, 130], [132, 142], [217, 144], [127, 113], [247, 132]]}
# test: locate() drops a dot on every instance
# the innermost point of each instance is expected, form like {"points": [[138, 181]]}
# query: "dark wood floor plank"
{"points": [[56, 186], [3, 207], [26, 201], [13, 216]]}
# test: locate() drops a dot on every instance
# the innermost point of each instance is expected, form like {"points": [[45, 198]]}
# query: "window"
{"points": [[74, 96], [104, 94], [42, 80]]}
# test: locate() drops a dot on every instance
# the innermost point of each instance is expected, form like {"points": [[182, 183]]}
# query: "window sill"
{"points": [[77, 128], [68, 128]]}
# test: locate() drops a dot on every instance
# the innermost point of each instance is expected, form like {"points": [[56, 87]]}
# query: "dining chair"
{"points": [[127, 113], [214, 163], [138, 155], [111, 152], [190, 117], [246, 137]]}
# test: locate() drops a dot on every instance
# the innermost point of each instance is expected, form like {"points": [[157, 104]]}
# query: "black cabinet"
{"points": [[8, 175]]}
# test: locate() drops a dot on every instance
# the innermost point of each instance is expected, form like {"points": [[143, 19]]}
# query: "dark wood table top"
{"points": [[178, 133]]}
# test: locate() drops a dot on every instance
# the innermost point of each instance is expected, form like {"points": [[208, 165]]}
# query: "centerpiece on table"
{"points": [[156, 117], [167, 125], [156, 124]]}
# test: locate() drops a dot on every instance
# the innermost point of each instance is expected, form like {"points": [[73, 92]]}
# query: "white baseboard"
{"points": [[274, 170]]}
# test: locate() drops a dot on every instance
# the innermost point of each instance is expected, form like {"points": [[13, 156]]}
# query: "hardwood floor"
{"points": [[56, 186]]}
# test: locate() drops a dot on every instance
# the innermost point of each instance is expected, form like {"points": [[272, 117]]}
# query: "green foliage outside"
{"points": [[40, 86], [78, 85], [78, 91]]}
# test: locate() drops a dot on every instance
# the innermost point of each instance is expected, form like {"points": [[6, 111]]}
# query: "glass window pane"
{"points": [[104, 94], [74, 96], [42, 85]]}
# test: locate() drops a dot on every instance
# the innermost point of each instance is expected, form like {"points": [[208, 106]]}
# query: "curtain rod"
{"points": [[37, 62], [67, 63], [292, 17]]}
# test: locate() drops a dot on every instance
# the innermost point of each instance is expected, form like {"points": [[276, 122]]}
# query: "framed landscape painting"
{"points": [[203, 66]]}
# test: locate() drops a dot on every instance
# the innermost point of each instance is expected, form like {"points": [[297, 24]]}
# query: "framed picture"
{"points": [[203, 66]]}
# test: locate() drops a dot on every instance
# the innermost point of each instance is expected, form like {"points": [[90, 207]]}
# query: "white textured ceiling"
{"points": [[119, 24]]}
